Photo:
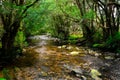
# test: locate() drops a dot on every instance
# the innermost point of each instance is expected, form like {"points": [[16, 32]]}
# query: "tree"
{"points": [[99, 14], [12, 12], [87, 16], [64, 21], [108, 12], [108, 15], [36, 21], [61, 26]]}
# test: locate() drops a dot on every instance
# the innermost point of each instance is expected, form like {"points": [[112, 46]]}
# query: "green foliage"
{"points": [[64, 15], [69, 8], [97, 37], [37, 18], [11, 15], [1, 34], [73, 39], [113, 43], [8, 7], [60, 26], [39, 21], [20, 40], [6, 74], [90, 14], [2, 79], [98, 45]]}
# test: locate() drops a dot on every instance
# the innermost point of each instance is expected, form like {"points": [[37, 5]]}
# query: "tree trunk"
{"points": [[8, 38], [12, 15], [7, 43]]}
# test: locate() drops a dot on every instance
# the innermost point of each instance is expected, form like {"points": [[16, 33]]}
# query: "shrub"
{"points": [[20, 40], [60, 26], [6, 74], [113, 43]]}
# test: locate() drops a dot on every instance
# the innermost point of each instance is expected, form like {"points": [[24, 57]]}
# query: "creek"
{"points": [[43, 60]]}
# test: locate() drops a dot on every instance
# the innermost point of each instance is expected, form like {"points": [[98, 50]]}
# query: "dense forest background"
{"points": [[94, 23]]}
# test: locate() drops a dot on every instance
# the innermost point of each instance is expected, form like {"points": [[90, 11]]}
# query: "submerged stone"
{"points": [[74, 53], [109, 57]]}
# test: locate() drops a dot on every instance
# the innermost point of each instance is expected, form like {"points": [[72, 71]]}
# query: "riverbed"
{"points": [[43, 60]]}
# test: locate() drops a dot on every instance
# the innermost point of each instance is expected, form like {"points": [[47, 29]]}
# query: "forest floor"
{"points": [[44, 61]]}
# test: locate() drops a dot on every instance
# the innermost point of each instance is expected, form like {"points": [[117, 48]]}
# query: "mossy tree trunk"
{"points": [[12, 13], [8, 39]]}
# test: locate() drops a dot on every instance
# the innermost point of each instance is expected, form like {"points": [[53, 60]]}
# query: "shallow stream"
{"points": [[43, 60]]}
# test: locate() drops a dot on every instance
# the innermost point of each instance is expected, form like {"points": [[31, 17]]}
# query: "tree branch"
{"points": [[27, 7], [114, 3]]}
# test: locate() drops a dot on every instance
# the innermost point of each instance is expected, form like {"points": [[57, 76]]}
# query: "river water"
{"points": [[43, 60]]}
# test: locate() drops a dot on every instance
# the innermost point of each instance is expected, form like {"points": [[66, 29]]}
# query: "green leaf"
{"points": [[89, 14]]}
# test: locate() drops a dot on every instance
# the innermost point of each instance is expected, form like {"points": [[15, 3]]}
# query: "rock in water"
{"points": [[95, 74], [74, 69], [74, 53]]}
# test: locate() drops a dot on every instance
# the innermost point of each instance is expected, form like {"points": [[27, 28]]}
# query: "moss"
{"points": [[73, 39]]}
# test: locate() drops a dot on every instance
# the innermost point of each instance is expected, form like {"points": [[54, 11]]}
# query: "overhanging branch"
{"points": [[113, 3], [27, 7]]}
